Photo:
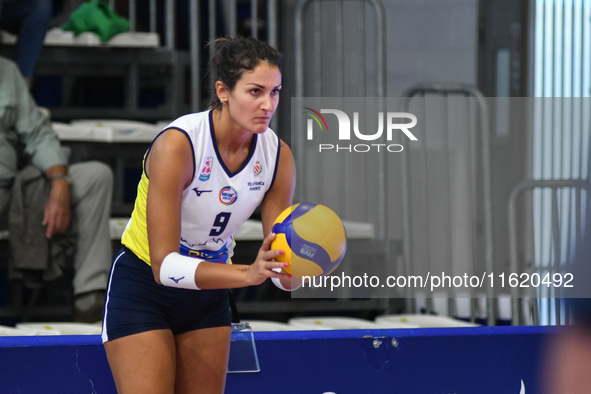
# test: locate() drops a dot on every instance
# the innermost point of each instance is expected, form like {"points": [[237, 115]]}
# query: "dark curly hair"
{"points": [[233, 56]]}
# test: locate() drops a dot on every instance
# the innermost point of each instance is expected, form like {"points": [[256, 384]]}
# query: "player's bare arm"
{"points": [[169, 167], [280, 197]]}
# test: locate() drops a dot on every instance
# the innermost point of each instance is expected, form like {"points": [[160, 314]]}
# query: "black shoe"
{"points": [[92, 314]]}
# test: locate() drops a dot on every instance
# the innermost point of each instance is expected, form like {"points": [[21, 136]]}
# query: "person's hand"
{"points": [[264, 264], [57, 208]]}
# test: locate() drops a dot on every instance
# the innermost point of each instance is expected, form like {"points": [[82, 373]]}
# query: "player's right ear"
{"points": [[222, 91]]}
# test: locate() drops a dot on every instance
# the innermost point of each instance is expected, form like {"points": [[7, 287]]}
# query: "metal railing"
{"points": [[561, 233], [340, 51], [478, 199], [196, 41], [313, 54]]}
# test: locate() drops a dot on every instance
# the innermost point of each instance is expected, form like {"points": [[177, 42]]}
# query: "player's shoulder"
{"points": [[284, 149], [191, 122], [269, 139]]}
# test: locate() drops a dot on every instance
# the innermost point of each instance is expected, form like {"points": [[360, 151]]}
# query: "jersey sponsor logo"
{"points": [[200, 192], [206, 169], [257, 169], [228, 195], [176, 280], [254, 186]]}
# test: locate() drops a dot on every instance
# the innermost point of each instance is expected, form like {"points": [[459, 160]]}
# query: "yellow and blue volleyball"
{"points": [[313, 238]]}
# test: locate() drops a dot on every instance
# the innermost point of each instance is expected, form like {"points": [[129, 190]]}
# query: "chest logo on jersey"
{"points": [[257, 170], [206, 169], [254, 186], [228, 195]]}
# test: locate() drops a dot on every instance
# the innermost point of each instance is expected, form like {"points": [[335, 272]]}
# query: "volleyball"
{"points": [[313, 238]]}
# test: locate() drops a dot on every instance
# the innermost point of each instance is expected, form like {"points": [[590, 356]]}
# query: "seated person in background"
{"points": [[80, 191], [29, 19]]}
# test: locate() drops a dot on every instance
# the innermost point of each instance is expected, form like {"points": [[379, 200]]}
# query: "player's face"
{"points": [[255, 97]]}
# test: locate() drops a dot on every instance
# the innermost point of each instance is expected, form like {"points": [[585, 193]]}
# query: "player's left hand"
{"points": [[57, 208], [264, 264]]}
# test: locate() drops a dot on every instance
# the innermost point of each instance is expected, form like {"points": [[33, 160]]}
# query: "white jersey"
{"points": [[218, 202]]}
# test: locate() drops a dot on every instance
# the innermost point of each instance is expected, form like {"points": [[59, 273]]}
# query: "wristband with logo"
{"points": [[179, 271]]}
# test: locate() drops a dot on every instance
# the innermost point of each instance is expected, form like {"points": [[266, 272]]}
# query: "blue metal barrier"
{"points": [[427, 360]]}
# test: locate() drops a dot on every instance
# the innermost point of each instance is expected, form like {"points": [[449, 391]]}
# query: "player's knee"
{"points": [[101, 174]]}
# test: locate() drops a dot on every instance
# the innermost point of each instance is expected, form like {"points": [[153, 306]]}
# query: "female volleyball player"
{"points": [[166, 326]]}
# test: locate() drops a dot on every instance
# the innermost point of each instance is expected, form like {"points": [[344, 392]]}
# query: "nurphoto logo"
{"points": [[391, 119]]}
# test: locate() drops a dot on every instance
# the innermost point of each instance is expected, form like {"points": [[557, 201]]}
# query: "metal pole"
{"points": [[556, 242], [195, 56], [299, 85], [381, 92], [170, 27], [318, 49], [339, 49], [254, 18], [272, 23], [514, 255], [132, 15], [153, 16], [446, 148], [232, 19], [212, 24], [272, 41], [406, 218]]}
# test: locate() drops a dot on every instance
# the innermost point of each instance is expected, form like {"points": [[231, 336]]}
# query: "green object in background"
{"points": [[97, 17]]}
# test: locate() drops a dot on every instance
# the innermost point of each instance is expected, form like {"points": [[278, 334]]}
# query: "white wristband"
{"points": [[179, 271]]}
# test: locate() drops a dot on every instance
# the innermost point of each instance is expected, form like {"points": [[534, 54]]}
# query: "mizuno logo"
{"points": [[199, 192], [176, 280]]}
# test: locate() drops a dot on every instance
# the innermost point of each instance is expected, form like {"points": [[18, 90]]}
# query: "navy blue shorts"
{"points": [[136, 303]]}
